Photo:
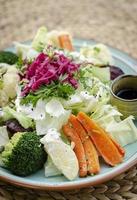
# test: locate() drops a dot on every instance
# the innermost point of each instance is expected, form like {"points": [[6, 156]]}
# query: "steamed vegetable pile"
{"points": [[55, 111]]}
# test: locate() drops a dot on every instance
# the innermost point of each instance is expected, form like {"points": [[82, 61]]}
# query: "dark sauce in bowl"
{"points": [[128, 94]]}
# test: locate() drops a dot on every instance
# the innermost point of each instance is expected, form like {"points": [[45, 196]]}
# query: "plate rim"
{"points": [[105, 177], [71, 185]]}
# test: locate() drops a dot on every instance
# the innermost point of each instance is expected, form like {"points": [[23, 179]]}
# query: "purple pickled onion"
{"points": [[44, 70], [115, 72]]}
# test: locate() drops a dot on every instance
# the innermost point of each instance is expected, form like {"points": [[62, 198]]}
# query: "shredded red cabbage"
{"points": [[44, 70]]}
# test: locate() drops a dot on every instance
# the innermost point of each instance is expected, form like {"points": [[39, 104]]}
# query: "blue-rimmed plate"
{"points": [[38, 180]]}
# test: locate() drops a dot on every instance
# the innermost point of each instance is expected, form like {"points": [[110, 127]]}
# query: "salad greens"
{"points": [[55, 70], [9, 113], [126, 131], [52, 121], [24, 51], [99, 54], [106, 114], [55, 89], [39, 42], [102, 73], [42, 90]]}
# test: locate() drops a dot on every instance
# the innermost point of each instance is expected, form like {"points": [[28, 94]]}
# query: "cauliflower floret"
{"points": [[10, 81]]}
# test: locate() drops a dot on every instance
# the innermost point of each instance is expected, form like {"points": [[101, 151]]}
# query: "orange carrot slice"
{"points": [[78, 149], [65, 42], [102, 141], [90, 151], [120, 149], [118, 146]]}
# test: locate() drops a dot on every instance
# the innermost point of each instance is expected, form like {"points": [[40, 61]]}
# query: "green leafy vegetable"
{"points": [[105, 115], [98, 54], [53, 90], [8, 57], [20, 65], [125, 132], [10, 113], [96, 50], [20, 62], [93, 85], [40, 39], [103, 73], [22, 49]]}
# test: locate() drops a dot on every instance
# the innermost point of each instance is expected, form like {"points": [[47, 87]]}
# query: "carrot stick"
{"points": [[118, 146], [120, 149], [103, 143], [65, 42], [90, 151], [78, 149]]}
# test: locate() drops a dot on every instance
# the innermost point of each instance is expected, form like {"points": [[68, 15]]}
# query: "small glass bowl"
{"points": [[125, 106]]}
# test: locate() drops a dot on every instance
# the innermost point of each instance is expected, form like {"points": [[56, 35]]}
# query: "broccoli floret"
{"points": [[24, 154], [8, 57]]}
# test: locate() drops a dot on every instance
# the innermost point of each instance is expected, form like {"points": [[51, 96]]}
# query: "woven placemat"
{"points": [[122, 187], [110, 22]]}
